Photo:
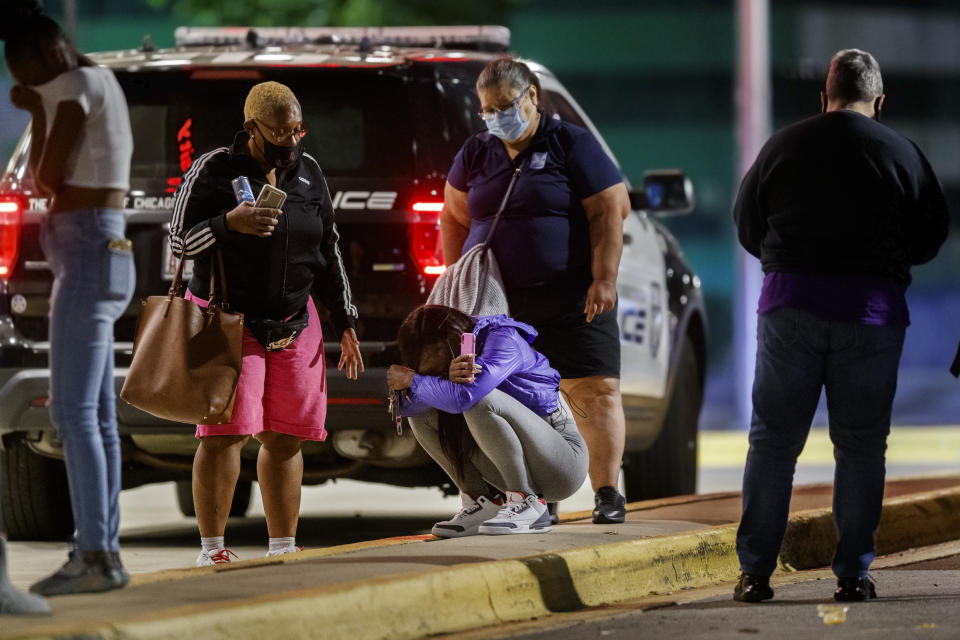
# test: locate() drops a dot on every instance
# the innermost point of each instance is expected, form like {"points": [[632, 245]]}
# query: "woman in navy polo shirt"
{"points": [[558, 245]]}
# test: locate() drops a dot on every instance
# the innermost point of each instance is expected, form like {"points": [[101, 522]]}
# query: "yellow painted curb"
{"points": [[288, 558], [469, 596], [458, 598], [907, 522]]}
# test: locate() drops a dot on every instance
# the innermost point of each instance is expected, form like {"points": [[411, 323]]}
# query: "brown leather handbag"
{"points": [[186, 358]]}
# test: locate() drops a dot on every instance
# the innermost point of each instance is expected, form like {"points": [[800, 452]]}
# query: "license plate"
{"points": [[169, 267]]}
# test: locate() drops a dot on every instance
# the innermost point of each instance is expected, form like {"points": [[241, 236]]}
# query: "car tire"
{"points": [[35, 496], [669, 466], [238, 509]]}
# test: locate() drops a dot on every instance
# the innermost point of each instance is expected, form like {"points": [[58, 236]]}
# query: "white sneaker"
{"points": [[280, 552], [220, 556], [466, 521], [520, 515]]}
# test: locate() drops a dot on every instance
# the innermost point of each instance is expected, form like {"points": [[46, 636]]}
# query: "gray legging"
{"points": [[517, 449]]}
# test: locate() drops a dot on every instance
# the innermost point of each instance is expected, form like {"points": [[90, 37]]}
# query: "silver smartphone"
{"points": [[270, 197]]}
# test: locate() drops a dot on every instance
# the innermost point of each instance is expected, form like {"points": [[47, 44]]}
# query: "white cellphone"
{"points": [[270, 197]]}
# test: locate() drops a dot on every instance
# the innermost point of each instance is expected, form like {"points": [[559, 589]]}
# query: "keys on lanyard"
{"points": [[395, 398]]}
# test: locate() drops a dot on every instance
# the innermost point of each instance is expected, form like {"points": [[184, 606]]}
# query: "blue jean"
{"points": [[797, 355], [93, 284]]}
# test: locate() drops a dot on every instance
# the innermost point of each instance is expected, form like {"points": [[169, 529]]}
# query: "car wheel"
{"points": [[669, 466], [241, 498], [35, 496]]}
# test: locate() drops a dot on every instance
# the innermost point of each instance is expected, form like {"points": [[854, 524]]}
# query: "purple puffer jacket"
{"points": [[509, 364]]}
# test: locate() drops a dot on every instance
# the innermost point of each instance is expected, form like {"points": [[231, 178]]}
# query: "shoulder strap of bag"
{"points": [[176, 286], [503, 205], [484, 263], [220, 300]]}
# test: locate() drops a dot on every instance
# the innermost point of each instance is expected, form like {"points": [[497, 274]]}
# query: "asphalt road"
{"points": [[917, 600]]}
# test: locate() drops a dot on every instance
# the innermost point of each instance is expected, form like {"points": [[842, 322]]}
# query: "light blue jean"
{"points": [[93, 284]]}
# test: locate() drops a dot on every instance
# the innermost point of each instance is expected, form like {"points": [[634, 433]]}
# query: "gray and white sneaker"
{"points": [[466, 521], [521, 514]]}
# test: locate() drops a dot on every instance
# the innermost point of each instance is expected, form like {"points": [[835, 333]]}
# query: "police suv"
{"points": [[386, 109]]}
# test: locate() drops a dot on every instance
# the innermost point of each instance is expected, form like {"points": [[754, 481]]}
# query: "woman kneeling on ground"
{"points": [[495, 421]]}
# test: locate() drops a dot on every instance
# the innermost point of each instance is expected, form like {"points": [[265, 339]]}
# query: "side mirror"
{"points": [[666, 192]]}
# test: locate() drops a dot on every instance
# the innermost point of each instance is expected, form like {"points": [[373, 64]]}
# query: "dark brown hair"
{"points": [[435, 328], [429, 326], [27, 32]]}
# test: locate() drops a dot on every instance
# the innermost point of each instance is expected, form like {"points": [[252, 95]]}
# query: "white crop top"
{"points": [[101, 159]]}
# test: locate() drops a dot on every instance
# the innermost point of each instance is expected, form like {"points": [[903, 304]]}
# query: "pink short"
{"points": [[283, 391]]}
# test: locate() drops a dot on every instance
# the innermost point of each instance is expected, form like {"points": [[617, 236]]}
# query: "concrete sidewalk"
{"points": [[416, 586]]}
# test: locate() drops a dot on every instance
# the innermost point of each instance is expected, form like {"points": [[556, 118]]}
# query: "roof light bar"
{"points": [[491, 36]]}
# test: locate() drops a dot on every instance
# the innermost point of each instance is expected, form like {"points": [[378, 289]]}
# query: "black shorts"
{"points": [[574, 347]]}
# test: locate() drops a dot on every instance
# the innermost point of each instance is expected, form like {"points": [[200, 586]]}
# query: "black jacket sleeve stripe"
{"points": [[192, 251], [183, 196], [333, 285], [197, 237], [198, 242], [348, 307]]}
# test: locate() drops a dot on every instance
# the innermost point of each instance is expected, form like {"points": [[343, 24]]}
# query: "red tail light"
{"points": [[425, 238], [11, 212], [420, 207]]}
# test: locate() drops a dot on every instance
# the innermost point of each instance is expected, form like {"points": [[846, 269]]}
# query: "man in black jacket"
{"points": [[837, 207]]}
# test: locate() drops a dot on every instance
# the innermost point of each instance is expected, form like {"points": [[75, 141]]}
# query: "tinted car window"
{"points": [[358, 124], [446, 106], [458, 106], [557, 104]]}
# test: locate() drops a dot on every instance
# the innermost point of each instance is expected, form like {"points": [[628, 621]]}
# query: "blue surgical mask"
{"points": [[508, 124]]}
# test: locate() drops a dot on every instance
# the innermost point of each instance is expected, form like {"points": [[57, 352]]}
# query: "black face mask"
{"points": [[278, 157]]}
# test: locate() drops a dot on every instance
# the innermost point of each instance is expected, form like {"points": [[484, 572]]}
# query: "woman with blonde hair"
{"points": [[277, 263]]}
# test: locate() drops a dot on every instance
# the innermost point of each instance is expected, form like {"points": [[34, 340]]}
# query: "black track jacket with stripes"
{"points": [[266, 277]]}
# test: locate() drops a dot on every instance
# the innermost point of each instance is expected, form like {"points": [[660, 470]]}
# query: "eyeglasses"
{"points": [[281, 134], [487, 113]]}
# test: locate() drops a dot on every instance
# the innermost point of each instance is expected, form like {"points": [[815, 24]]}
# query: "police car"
{"points": [[386, 110]]}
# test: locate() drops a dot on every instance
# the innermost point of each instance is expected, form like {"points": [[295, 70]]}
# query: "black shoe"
{"points": [[752, 588], [611, 506], [854, 590], [84, 572], [116, 569], [553, 508]]}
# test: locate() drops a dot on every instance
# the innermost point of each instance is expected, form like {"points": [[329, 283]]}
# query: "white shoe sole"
{"points": [[506, 531], [450, 533]]}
